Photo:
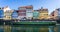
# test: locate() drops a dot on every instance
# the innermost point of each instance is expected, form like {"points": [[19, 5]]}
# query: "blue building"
{"points": [[14, 14], [1, 14]]}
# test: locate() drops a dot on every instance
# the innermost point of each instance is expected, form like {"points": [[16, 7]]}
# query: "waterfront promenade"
{"points": [[29, 25]]}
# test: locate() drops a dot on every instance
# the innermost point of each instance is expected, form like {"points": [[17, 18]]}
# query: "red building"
{"points": [[21, 14]]}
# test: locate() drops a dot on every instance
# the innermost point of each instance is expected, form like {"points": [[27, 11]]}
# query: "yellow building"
{"points": [[7, 15], [43, 13]]}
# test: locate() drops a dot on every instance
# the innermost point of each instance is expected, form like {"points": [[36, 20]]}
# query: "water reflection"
{"points": [[1, 28], [18, 28]]}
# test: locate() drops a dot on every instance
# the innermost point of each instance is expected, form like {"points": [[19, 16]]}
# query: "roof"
{"points": [[27, 7], [43, 9]]}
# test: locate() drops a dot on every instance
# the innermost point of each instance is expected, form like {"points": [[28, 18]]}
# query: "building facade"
{"points": [[28, 11], [57, 13], [51, 15], [6, 8], [1, 13], [43, 13], [14, 14], [7, 14], [21, 14], [35, 14]]}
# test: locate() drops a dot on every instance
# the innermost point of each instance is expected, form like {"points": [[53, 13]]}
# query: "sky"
{"points": [[37, 4]]}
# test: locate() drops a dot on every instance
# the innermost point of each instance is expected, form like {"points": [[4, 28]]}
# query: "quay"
{"points": [[34, 24]]}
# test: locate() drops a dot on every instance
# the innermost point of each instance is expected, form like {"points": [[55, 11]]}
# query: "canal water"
{"points": [[19, 28]]}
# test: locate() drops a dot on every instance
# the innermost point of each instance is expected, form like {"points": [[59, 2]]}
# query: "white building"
{"points": [[58, 13], [6, 8], [29, 13], [7, 13]]}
